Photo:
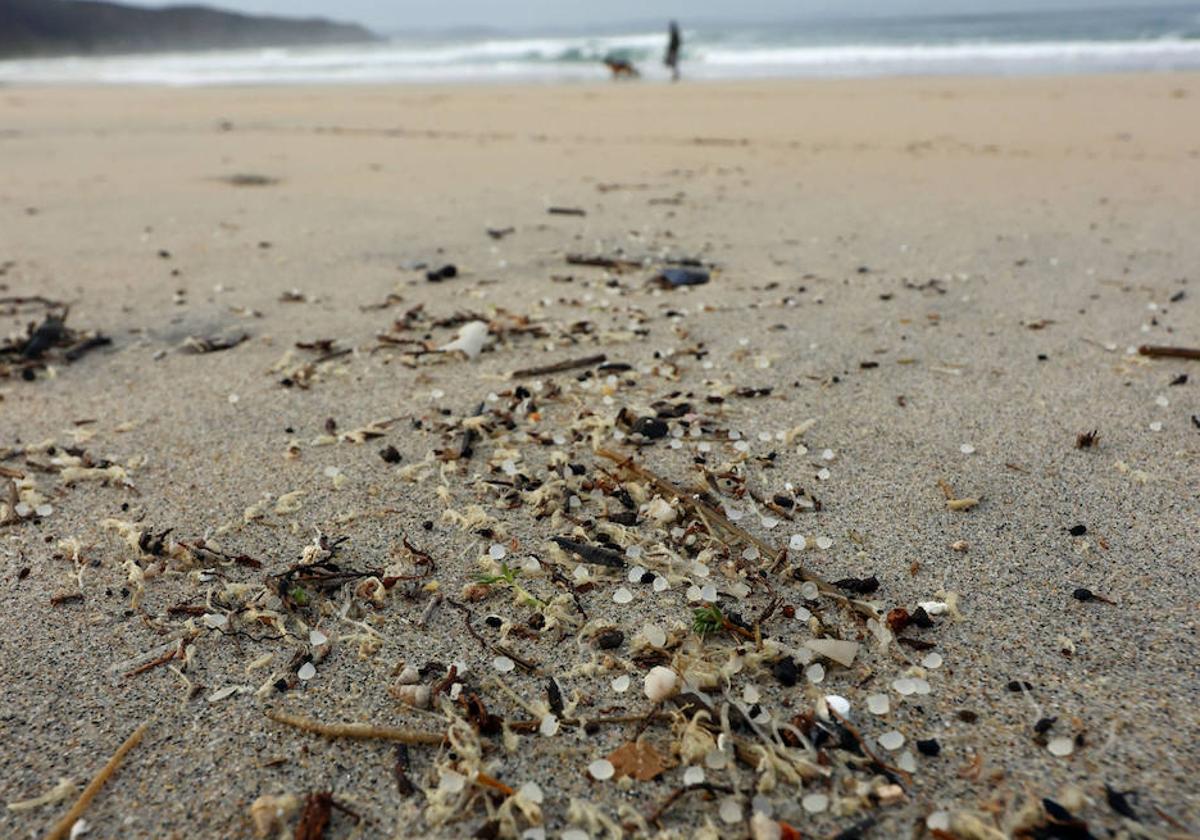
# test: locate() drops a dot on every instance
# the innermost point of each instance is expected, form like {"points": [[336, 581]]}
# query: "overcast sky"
{"points": [[522, 14]]}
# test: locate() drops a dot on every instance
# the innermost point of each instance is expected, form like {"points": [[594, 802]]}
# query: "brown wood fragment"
{"points": [[638, 760], [560, 367], [1166, 351]]}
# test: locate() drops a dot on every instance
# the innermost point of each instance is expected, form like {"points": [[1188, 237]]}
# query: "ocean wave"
{"points": [[727, 55], [933, 53]]}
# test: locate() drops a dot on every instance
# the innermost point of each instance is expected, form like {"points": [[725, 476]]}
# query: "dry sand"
{"points": [[991, 247]]}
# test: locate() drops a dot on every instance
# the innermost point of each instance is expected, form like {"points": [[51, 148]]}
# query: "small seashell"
{"points": [[601, 769], [417, 696], [660, 683]]}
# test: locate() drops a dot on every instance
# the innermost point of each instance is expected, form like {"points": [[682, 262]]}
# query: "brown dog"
{"points": [[621, 67]]}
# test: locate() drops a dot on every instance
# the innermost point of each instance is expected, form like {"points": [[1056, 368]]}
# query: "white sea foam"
{"points": [[1044, 43]]}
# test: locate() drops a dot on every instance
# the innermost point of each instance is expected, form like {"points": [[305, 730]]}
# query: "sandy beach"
{"points": [[917, 295]]}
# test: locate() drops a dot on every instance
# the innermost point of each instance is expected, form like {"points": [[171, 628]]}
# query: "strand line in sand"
{"points": [[63, 827]]}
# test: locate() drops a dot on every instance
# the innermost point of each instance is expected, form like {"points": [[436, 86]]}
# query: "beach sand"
{"points": [[946, 275]]}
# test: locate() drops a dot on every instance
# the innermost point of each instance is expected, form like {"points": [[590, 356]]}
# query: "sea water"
{"points": [[1102, 40]]}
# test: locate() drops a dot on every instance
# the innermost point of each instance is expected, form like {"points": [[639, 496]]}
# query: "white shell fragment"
{"points": [[654, 635], [891, 740], [838, 704], [472, 337], [815, 803], [730, 811], [601, 769], [531, 792], [307, 671], [1061, 746], [878, 704], [841, 652], [660, 683]]}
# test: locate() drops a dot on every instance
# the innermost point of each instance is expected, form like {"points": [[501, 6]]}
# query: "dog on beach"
{"points": [[621, 67]]}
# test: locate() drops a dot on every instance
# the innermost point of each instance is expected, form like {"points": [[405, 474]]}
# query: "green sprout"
{"points": [[708, 619], [508, 577]]}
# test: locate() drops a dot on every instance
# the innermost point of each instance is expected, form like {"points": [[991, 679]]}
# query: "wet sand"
{"points": [[949, 276]]}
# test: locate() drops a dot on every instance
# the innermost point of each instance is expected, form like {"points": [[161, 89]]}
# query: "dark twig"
{"points": [[614, 263], [560, 367], [708, 787], [1161, 350]]}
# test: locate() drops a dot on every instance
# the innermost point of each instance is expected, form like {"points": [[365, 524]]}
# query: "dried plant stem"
{"points": [[1160, 350], [862, 743], [657, 813], [363, 731], [63, 827]]}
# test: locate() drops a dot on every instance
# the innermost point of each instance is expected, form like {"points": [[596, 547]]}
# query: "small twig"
{"points": [[767, 612], [433, 604], [598, 555], [63, 827], [526, 664], [77, 351], [484, 780], [1161, 350], [862, 743], [559, 367], [615, 263], [658, 812], [467, 616], [362, 731], [176, 653], [769, 503]]}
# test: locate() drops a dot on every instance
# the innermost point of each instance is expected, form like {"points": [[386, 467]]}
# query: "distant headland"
{"points": [[84, 27]]}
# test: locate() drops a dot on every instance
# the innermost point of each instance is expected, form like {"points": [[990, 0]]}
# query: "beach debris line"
{"points": [[617, 549]]}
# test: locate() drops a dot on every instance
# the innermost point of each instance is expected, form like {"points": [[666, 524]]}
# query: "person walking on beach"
{"points": [[671, 59]]}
